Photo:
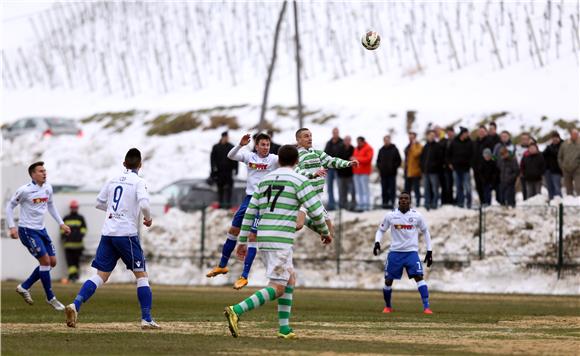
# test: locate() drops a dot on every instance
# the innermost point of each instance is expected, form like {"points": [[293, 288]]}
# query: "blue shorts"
{"points": [[37, 242], [239, 216], [127, 248], [396, 261]]}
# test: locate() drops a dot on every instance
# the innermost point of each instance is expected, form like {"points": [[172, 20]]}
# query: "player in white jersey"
{"points": [[405, 224], [259, 164], [35, 198], [123, 198]]}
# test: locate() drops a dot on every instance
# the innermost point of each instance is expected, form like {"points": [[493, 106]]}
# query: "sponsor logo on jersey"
{"points": [[39, 200], [258, 166], [403, 227]]}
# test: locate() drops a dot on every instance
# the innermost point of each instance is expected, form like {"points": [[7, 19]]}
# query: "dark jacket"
{"points": [[445, 145], [461, 154], [432, 158], [222, 168], [493, 140], [488, 172], [508, 170], [274, 147], [509, 145], [533, 167], [551, 158], [346, 154], [78, 230], [389, 160], [333, 149], [478, 146]]}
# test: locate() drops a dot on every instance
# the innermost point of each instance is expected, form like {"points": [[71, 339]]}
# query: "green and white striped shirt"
{"points": [[277, 201], [311, 160]]}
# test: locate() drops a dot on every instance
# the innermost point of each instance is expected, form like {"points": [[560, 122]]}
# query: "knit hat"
{"points": [[462, 130], [487, 152]]}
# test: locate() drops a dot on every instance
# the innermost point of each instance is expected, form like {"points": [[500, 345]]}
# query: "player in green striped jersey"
{"points": [[313, 165], [277, 201]]}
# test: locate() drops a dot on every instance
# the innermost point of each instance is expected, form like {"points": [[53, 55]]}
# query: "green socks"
{"points": [[255, 300], [284, 310]]}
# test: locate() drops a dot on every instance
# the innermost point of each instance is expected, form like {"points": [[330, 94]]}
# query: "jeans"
{"points": [[446, 180], [508, 193], [413, 183], [463, 185], [330, 178], [346, 188], [361, 187], [554, 184], [388, 187], [431, 190], [487, 188]]}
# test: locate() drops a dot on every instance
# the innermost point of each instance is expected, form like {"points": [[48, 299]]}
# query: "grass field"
{"points": [[327, 321]]}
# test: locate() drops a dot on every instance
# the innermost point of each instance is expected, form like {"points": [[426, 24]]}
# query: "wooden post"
{"points": [[298, 76], [534, 40], [452, 45], [495, 49]]}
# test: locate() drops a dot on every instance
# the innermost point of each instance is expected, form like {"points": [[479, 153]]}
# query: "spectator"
{"points": [[509, 171], [489, 175], [73, 242], [412, 171], [479, 145], [363, 153], [388, 162], [222, 170], [569, 161], [274, 147], [446, 176], [439, 133], [333, 148], [492, 136], [521, 150], [505, 140], [461, 156], [345, 180], [431, 166], [533, 168], [553, 175]]}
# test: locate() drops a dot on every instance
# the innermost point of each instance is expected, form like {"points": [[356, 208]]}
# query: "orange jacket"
{"points": [[413, 160], [364, 155]]}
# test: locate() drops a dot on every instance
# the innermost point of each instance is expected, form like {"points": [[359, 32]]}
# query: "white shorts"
{"points": [[279, 266], [325, 213]]}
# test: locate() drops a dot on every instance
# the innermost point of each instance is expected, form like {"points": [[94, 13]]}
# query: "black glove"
{"points": [[428, 258], [377, 249]]}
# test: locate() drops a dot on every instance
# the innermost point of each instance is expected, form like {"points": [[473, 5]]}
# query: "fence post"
{"points": [[202, 247], [338, 240], [560, 238], [480, 232]]}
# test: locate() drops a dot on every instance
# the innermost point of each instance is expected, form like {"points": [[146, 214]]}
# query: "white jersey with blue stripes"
{"points": [[34, 201], [258, 166], [405, 229]]}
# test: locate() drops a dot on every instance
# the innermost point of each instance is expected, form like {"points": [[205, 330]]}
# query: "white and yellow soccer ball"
{"points": [[371, 40]]}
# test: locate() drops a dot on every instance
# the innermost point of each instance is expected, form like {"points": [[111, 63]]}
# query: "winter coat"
{"points": [[222, 167], [78, 230], [508, 170], [345, 153], [510, 147], [569, 156], [488, 172], [274, 147], [413, 160], [364, 156], [478, 146], [551, 158], [461, 154], [333, 148], [533, 167], [493, 140], [445, 144], [388, 160], [432, 158]]}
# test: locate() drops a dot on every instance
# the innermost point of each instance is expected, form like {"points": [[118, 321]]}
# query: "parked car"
{"points": [[192, 194], [44, 126]]}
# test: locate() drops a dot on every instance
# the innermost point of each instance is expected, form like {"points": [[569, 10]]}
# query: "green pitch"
{"points": [[327, 321]]}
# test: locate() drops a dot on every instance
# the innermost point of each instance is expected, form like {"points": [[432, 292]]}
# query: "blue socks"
{"points": [[422, 287], [387, 292], [44, 273], [228, 249], [145, 297], [35, 276], [87, 291], [250, 255]]}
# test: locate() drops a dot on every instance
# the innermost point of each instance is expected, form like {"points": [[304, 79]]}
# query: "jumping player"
{"points": [[405, 224], [123, 198], [35, 198]]}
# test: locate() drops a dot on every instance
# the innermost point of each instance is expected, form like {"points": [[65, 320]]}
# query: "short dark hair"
{"points": [[493, 124], [449, 128], [133, 159], [555, 134], [483, 127], [33, 166], [360, 138], [413, 133], [224, 134], [507, 132], [288, 155], [405, 192], [300, 131], [261, 136]]}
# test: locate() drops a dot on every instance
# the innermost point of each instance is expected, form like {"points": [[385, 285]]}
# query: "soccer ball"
{"points": [[371, 40]]}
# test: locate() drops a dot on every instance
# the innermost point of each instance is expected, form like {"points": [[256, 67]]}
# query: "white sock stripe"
{"points": [[389, 288], [283, 322], [44, 268], [421, 283], [255, 300], [97, 280], [244, 306], [286, 296], [265, 294], [284, 308], [232, 237], [253, 244], [142, 282]]}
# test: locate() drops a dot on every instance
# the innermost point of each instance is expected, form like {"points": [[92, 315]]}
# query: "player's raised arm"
{"points": [[332, 162], [383, 227], [237, 153]]}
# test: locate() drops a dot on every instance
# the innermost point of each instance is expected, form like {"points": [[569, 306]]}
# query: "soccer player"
{"points": [[405, 224], [313, 164], [35, 198], [123, 198], [259, 164], [276, 201]]}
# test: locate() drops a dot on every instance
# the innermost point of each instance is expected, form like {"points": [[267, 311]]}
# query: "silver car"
{"points": [[44, 126]]}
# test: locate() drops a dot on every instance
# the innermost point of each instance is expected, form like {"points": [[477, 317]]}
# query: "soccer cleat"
{"points": [[149, 325], [233, 319], [427, 311], [71, 315], [387, 310], [240, 283], [25, 294], [217, 271], [56, 304], [288, 336]]}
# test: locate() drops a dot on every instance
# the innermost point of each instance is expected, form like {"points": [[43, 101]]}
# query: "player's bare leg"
{"points": [[424, 291], [227, 249]]}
